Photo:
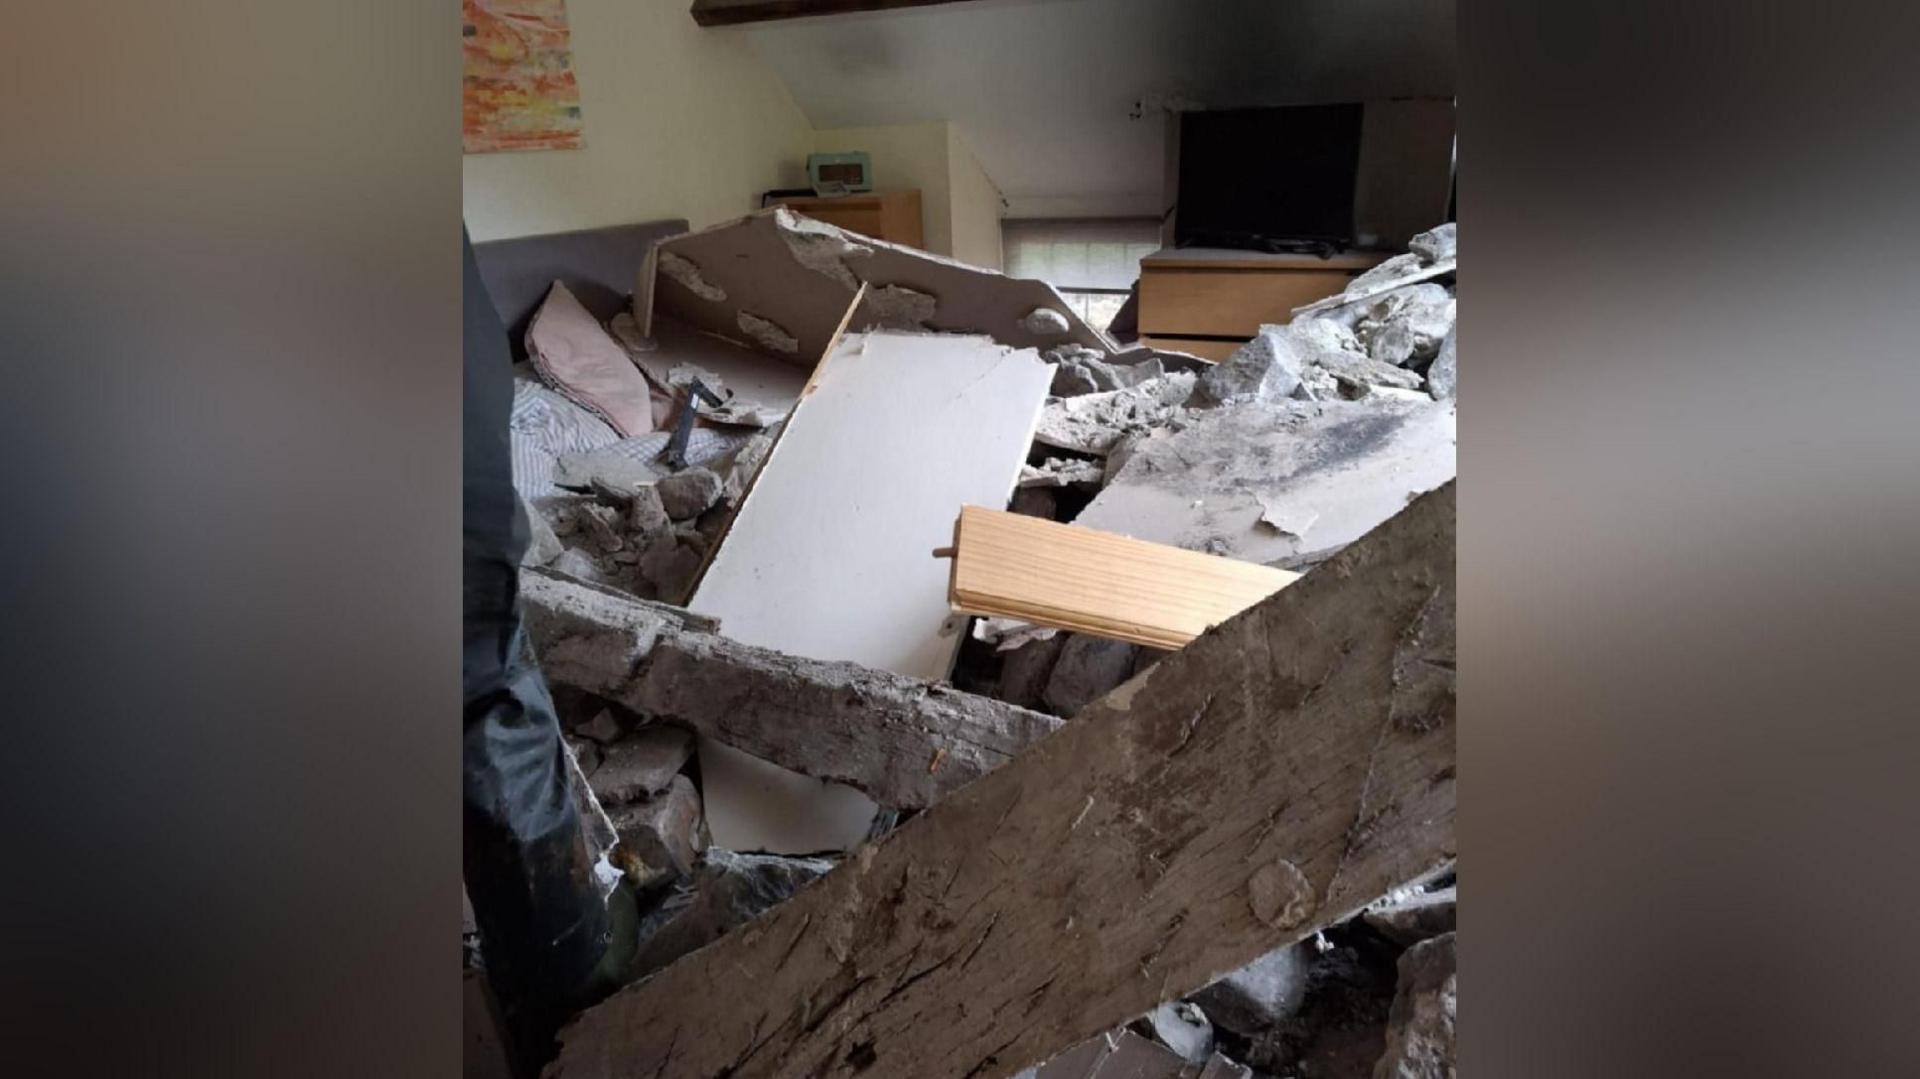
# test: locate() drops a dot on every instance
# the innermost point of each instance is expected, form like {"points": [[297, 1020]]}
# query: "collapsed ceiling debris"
{"points": [[736, 589]]}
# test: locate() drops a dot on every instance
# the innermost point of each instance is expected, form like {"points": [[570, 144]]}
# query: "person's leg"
{"points": [[542, 923]]}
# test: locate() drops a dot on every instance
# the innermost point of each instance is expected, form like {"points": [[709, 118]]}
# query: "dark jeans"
{"points": [[542, 924]]}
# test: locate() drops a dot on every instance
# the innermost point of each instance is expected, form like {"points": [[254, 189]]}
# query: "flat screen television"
{"points": [[1268, 179]]}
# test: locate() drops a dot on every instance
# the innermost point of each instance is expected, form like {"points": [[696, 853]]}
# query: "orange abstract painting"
{"points": [[518, 92]]}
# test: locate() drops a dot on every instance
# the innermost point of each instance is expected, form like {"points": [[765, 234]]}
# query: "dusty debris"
{"points": [[1079, 370], [669, 566], [1088, 668], [1026, 669], [686, 495], [1408, 920], [604, 728], [1063, 471], [1437, 244], [647, 514], [642, 764], [896, 307], [1420, 1038], [1405, 326], [767, 333], [575, 563], [608, 468], [1443, 377], [1259, 995], [1093, 423], [660, 837], [1041, 502], [1183, 1028], [686, 273], [728, 890], [600, 834], [742, 467], [543, 545], [1267, 368], [601, 526]]}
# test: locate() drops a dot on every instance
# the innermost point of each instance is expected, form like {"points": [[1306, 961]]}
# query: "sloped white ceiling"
{"points": [[1042, 89]]}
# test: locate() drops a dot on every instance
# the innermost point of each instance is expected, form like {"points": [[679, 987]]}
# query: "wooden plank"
{"points": [[1013, 566], [1219, 303], [1207, 348], [736, 12], [1272, 778], [827, 557]]}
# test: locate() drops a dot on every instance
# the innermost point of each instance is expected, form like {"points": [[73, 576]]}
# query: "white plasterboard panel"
{"points": [[830, 557]]}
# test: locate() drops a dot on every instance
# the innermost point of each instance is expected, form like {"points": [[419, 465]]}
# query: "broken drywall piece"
{"points": [[577, 358], [802, 275], [1205, 487], [905, 428], [767, 333], [683, 271], [1292, 520], [1095, 422]]}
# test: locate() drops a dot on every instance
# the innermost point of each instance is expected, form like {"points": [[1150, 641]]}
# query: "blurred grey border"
{"points": [[1688, 509]]}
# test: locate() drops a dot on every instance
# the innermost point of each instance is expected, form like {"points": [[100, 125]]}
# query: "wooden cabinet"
{"points": [[893, 216], [1208, 301]]}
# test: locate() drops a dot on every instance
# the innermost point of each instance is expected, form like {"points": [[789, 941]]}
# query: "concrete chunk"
{"points": [[1258, 995], [1420, 1029], [660, 838], [686, 495], [641, 765]]}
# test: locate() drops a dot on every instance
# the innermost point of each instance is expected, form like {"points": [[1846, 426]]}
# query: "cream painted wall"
{"points": [[905, 156], [679, 122], [976, 206]]}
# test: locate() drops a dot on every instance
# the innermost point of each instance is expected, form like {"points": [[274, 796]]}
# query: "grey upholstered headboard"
{"points": [[597, 265]]}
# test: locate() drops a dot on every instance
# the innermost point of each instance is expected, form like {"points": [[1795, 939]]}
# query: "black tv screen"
{"points": [[1263, 177]]}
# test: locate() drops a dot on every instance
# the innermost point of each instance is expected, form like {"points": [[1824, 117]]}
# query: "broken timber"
{"points": [[907, 743], [1238, 796], [1015, 566]]}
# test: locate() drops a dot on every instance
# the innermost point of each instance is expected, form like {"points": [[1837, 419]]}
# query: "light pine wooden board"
{"points": [[1015, 566], [827, 557]]}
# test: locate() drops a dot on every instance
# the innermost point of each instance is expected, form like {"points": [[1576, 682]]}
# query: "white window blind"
{"points": [[1093, 262]]}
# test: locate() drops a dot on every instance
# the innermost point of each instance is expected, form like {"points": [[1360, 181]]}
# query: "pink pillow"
{"points": [[586, 365]]}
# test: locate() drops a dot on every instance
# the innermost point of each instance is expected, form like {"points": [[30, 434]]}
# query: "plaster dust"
{"points": [[767, 333], [829, 559]]}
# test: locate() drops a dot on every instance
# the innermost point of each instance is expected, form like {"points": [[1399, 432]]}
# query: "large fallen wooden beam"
{"points": [[1015, 566], [1272, 778], [906, 742]]}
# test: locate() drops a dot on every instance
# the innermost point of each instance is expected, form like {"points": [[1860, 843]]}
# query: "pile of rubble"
{"points": [[1310, 437]]}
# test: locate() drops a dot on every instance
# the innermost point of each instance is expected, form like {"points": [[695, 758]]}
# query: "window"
{"points": [[1093, 262]]}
